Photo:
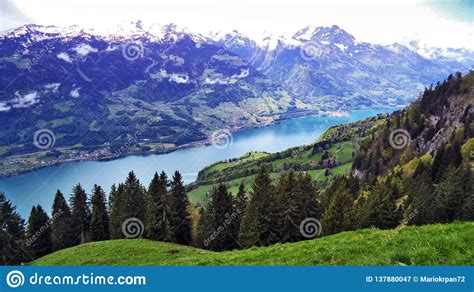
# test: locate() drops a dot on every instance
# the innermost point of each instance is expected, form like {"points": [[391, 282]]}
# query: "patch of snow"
{"points": [[341, 47]]}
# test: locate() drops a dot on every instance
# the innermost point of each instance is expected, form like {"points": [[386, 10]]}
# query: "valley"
{"points": [[40, 184]]}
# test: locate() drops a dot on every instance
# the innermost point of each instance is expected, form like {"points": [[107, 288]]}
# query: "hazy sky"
{"points": [[439, 23]]}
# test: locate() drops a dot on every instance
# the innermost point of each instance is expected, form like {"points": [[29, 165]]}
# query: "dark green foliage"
{"points": [[12, 235], [260, 226], [99, 225], [204, 228], [159, 216], [62, 230], [221, 220], [291, 207], [219, 223], [38, 233], [420, 194], [383, 212], [240, 204], [336, 217], [80, 214], [135, 198], [118, 211], [181, 220], [451, 194]]}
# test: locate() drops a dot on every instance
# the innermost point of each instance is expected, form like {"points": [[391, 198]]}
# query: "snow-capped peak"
{"points": [[325, 35], [271, 43]]}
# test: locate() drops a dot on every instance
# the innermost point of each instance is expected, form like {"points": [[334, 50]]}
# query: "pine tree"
{"points": [[259, 225], [99, 225], [62, 231], [80, 214], [240, 204], [118, 211], [135, 198], [420, 195], [336, 217], [385, 214], [221, 209], [241, 199], [39, 233], [306, 192], [181, 222], [291, 210], [450, 194], [361, 211], [12, 235], [159, 217], [249, 233], [437, 160], [204, 229]]}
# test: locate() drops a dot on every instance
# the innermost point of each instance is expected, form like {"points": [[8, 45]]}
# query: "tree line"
{"points": [[268, 214], [427, 190], [162, 208]]}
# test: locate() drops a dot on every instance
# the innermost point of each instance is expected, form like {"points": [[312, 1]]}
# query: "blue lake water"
{"points": [[39, 187]]}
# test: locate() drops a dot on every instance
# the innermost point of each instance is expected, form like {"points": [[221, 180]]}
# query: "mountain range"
{"points": [[327, 66], [153, 88]]}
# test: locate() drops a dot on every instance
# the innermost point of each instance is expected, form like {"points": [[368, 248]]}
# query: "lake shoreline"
{"points": [[198, 143]]}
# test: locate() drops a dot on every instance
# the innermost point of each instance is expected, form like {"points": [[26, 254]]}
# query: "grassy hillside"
{"points": [[449, 244], [332, 154]]}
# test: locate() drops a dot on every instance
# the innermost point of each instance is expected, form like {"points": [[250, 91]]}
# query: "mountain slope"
{"points": [[448, 244], [327, 66], [442, 115], [144, 91]]}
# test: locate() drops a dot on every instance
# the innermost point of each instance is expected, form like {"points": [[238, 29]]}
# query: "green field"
{"points": [[449, 244], [233, 173]]}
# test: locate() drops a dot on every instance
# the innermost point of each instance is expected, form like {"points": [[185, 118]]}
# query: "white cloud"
{"points": [[64, 56], [52, 86], [4, 107], [211, 76], [21, 101], [74, 92], [84, 49]]}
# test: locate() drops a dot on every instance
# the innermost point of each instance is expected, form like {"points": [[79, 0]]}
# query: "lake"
{"points": [[39, 187]]}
